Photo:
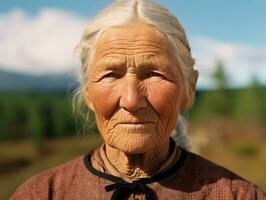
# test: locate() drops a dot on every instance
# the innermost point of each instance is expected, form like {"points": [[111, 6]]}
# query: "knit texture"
{"points": [[196, 179]]}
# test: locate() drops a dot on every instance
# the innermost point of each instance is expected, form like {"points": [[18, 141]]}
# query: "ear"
{"points": [[88, 101], [190, 92]]}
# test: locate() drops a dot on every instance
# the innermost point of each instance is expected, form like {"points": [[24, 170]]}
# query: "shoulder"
{"points": [[208, 169], [61, 176], [212, 179]]}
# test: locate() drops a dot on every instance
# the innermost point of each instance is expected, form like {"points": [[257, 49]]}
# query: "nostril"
{"points": [[132, 99], [133, 103]]}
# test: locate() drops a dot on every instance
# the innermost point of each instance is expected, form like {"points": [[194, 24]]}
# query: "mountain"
{"points": [[14, 81]]}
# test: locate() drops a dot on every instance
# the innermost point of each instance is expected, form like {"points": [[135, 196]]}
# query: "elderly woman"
{"points": [[137, 76]]}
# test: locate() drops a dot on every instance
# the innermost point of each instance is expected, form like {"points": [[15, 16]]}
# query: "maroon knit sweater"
{"points": [[196, 178]]}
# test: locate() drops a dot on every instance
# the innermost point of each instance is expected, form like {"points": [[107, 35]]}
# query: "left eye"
{"points": [[152, 74]]}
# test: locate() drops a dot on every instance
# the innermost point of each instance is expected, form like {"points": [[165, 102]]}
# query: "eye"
{"points": [[152, 74], [112, 75]]}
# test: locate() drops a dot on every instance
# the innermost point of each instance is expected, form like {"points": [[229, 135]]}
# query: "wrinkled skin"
{"points": [[137, 91]]}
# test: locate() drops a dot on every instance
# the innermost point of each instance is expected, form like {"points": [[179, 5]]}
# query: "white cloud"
{"points": [[44, 43], [39, 44], [242, 62]]}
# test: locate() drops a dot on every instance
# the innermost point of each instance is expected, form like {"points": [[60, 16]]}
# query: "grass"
{"points": [[238, 147], [56, 152]]}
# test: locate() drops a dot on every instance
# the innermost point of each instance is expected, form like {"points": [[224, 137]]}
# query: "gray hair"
{"points": [[180, 135], [120, 13]]}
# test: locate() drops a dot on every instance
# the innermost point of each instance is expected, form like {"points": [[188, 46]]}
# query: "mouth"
{"points": [[136, 127], [134, 123]]}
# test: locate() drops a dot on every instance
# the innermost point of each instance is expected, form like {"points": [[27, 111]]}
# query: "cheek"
{"points": [[165, 98], [99, 95]]}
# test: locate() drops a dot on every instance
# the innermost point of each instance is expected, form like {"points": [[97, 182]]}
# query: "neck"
{"points": [[135, 166]]}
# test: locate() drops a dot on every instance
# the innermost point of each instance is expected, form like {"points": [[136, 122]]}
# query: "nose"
{"points": [[132, 97]]}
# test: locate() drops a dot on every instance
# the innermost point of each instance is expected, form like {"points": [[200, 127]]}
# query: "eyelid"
{"points": [[153, 74], [111, 74], [157, 73]]}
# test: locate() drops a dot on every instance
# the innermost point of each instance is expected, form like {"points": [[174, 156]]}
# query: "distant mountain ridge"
{"points": [[15, 81]]}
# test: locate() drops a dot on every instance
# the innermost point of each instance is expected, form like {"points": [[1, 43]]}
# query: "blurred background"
{"points": [[38, 70]]}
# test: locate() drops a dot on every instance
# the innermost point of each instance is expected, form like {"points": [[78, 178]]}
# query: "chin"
{"points": [[134, 144]]}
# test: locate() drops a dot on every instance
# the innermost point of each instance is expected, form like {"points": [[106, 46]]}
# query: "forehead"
{"points": [[138, 39]]}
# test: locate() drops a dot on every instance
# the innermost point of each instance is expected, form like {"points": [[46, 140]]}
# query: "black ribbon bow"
{"points": [[124, 189]]}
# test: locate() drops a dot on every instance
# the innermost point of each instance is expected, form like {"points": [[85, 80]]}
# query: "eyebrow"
{"points": [[151, 62], [110, 63], [147, 65]]}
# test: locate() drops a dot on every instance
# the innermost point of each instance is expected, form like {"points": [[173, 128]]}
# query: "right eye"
{"points": [[112, 75]]}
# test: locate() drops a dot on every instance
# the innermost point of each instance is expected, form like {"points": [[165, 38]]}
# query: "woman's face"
{"points": [[135, 88]]}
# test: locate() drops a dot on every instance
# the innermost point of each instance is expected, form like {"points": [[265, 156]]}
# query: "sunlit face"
{"points": [[135, 88]]}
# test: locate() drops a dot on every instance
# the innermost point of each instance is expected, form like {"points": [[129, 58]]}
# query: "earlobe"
{"points": [[91, 107], [190, 93], [187, 102], [194, 80], [88, 101]]}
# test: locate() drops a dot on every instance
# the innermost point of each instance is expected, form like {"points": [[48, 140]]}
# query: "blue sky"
{"points": [[233, 31], [238, 21]]}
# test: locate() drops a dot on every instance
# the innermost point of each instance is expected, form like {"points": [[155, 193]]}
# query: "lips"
{"points": [[133, 123]]}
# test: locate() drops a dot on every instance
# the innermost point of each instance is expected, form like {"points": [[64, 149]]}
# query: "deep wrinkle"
{"points": [[142, 64]]}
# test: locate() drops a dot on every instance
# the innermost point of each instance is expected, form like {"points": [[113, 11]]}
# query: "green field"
{"points": [[20, 160]]}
